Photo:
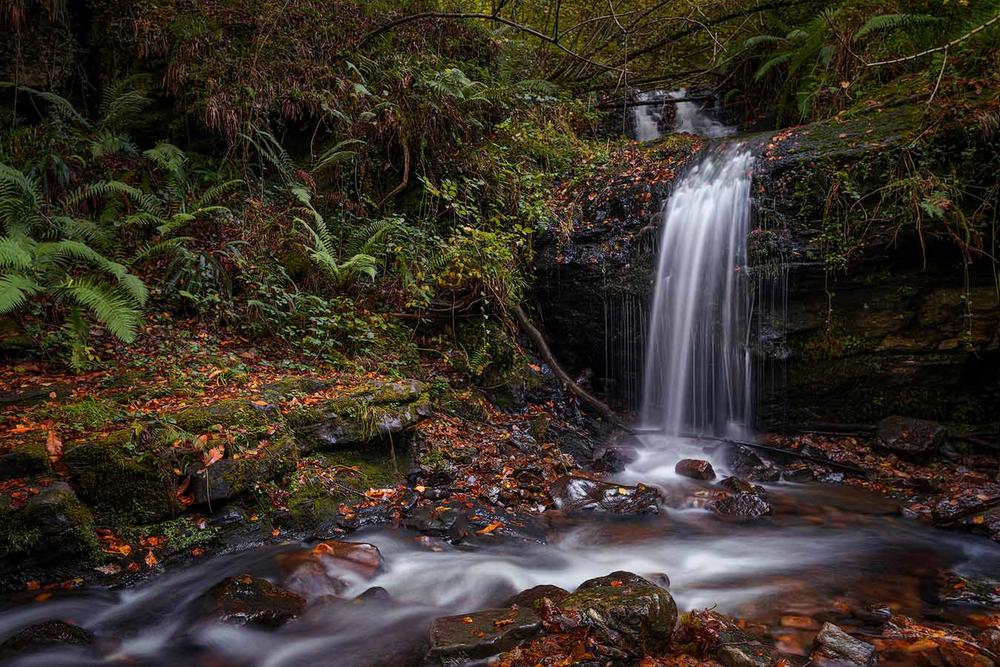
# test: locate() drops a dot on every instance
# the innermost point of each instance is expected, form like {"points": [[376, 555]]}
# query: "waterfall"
{"points": [[646, 117], [697, 361], [689, 118]]}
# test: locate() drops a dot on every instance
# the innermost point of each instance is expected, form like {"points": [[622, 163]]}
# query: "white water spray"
{"points": [[697, 369], [689, 118]]}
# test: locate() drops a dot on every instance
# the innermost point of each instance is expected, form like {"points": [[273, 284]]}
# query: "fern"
{"points": [[111, 307], [15, 290], [887, 22]]}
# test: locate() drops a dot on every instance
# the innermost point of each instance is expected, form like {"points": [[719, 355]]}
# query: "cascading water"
{"points": [[689, 118], [697, 362], [646, 118]]}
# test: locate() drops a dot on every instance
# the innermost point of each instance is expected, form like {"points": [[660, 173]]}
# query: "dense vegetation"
{"points": [[331, 173]]}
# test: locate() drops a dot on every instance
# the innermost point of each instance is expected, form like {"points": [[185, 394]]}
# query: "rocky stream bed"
{"points": [[527, 536]]}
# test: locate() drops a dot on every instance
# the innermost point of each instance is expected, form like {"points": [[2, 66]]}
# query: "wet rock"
{"points": [[695, 469], [45, 635], [367, 517], [442, 520], [531, 597], [53, 525], [973, 501], [328, 566], [574, 494], [741, 507], [247, 600], [615, 459], [746, 464], [836, 645], [737, 485], [458, 639], [876, 614], [375, 593], [798, 474], [615, 580], [746, 654], [635, 617], [725, 639], [906, 435]]}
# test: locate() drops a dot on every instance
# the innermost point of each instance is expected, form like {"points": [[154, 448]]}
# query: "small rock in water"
{"points": [[574, 494], [45, 635], [836, 645], [695, 469], [467, 637], [737, 485], [625, 611], [746, 464], [246, 600], [741, 507], [906, 435], [748, 654]]}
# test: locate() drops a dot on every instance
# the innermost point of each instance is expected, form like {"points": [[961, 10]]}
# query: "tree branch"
{"points": [[391, 25], [543, 349], [945, 47]]}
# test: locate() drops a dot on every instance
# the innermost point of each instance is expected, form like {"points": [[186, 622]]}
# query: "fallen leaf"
{"points": [[490, 528], [150, 559], [54, 446]]}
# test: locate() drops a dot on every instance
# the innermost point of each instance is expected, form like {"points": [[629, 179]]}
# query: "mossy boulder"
{"points": [[373, 411], [629, 613], [325, 480], [52, 525], [231, 477], [27, 458], [239, 418], [123, 477]]}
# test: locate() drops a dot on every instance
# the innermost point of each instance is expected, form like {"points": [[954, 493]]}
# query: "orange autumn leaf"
{"points": [[213, 455], [150, 559], [54, 445], [490, 528]]}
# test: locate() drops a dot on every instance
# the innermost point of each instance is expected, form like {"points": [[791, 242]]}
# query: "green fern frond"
{"points": [[116, 310], [770, 64], [59, 107], [15, 290], [107, 143], [336, 155], [15, 253], [887, 22]]}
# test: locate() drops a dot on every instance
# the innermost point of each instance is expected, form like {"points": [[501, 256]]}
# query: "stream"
{"points": [[824, 545]]}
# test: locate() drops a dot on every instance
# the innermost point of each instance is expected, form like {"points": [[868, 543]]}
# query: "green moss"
{"points": [[122, 478], [89, 413], [52, 524], [230, 414], [182, 535]]}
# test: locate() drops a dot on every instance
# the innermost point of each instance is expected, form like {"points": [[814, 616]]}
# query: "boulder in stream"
{"points": [[469, 637], [834, 646], [695, 469], [52, 634], [741, 507], [625, 611], [746, 464], [248, 600], [580, 495]]}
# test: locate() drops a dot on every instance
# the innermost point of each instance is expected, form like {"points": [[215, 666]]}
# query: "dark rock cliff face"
{"points": [[857, 317]]}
